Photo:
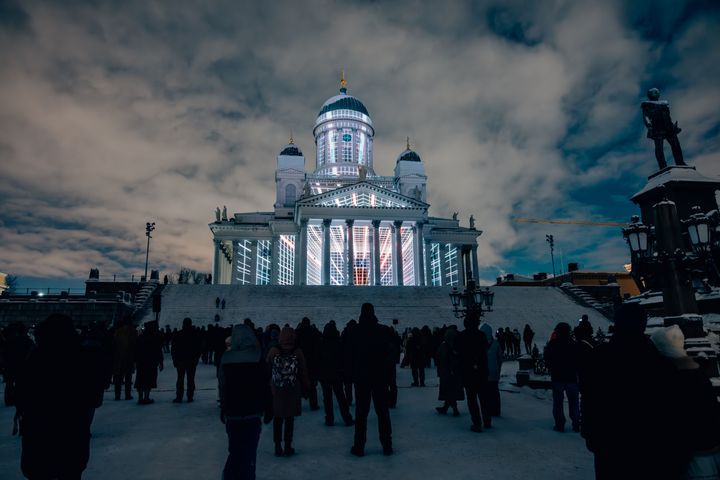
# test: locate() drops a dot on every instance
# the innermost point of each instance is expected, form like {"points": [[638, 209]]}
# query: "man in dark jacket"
{"points": [[628, 416], [244, 396], [55, 392], [308, 340], [330, 374], [185, 351], [472, 344], [561, 358], [371, 360]]}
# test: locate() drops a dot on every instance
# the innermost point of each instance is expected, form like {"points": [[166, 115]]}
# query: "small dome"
{"points": [[409, 156], [343, 102], [291, 150]]}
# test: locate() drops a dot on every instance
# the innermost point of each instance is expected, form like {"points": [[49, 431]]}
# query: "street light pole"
{"points": [[549, 239], [149, 227]]}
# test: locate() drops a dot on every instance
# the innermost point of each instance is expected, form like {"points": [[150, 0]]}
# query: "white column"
{"points": [[350, 250], [461, 265], [418, 245], [444, 264], [397, 253], [253, 262], [216, 262], [376, 253], [274, 259], [326, 252], [428, 257], [233, 271], [300, 254], [474, 260]]}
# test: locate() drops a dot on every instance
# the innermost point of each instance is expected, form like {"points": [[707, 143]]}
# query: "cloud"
{"points": [[117, 115]]}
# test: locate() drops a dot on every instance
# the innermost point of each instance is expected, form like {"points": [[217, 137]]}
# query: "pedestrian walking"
{"points": [[495, 359], [449, 372], [148, 360], [561, 358], [124, 349]]}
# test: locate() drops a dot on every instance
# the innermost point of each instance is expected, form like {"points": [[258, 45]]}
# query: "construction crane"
{"points": [[588, 223]]}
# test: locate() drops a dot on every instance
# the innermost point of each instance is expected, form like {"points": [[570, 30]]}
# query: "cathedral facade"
{"points": [[343, 224]]}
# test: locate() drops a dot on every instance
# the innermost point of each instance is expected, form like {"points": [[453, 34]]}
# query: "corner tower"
{"points": [[343, 136]]}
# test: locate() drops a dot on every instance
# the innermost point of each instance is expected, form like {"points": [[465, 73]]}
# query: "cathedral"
{"points": [[343, 224]]}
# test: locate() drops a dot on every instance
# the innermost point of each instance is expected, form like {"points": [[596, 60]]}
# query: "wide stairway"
{"points": [[541, 307]]}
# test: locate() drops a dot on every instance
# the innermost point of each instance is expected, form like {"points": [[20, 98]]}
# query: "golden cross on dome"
{"points": [[343, 82]]}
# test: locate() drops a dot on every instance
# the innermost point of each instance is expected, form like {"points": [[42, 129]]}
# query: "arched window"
{"points": [[290, 195]]}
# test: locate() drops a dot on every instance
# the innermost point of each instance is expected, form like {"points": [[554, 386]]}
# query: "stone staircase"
{"points": [[587, 300], [143, 300], [541, 307]]}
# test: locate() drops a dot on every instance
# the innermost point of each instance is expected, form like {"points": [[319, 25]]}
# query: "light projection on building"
{"points": [[286, 260]]}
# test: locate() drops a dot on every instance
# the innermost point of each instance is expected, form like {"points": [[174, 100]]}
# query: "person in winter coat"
{"points": [[186, 350], [372, 359], [289, 378], [347, 361], [448, 371], [330, 374], [630, 421], [54, 395], [495, 359], [695, 404], [516, 337], [124, 346], [308, 340], [528, 336], [16, 350], [148, 359], [244, 384], [415, 351], [561, 359], [96, 345], [471, 343]]}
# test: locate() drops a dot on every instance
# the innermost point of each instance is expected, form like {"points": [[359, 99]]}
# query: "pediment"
{"points": [[362, 194]]}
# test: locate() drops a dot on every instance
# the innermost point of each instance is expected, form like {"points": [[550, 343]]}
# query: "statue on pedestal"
{"points": [[656, 116], [472, 221], [224, 213]]}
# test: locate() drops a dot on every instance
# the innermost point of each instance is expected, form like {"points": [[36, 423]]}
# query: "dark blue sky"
{"points": [[117, 113]]}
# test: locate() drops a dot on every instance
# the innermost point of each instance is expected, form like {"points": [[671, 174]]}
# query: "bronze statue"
{"points": [[472, 221], [224, 213], [217, 214], [656, 116]]}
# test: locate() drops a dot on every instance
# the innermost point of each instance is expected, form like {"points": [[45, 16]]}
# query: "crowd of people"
{"points": [[640, 403]]}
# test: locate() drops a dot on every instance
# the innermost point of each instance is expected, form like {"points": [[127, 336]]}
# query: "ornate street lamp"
{"points": [[698, 226], [471, 300], [636, 234], [149, 227]]}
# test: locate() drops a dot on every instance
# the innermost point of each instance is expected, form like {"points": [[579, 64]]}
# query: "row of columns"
{"points": [[467, 257]]}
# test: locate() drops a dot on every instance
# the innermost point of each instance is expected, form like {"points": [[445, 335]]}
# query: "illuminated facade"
{"points": [[343, 224]]}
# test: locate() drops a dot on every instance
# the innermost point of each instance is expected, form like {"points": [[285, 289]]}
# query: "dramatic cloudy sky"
{"points": [[117, 113]]}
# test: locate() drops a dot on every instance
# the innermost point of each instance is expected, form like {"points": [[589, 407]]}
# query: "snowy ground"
{"points": [[187, 441]]}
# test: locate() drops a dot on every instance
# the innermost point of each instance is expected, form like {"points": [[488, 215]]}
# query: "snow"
{"points": [[674, 174], [187, 441]]}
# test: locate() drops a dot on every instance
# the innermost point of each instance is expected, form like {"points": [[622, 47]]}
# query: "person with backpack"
{"points": [[288, 379]]}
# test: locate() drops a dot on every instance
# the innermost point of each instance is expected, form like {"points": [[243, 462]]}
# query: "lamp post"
{"points": [[470, 301], [551, 240], [149, 227]]}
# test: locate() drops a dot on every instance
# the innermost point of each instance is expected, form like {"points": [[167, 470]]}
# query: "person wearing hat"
{"points": [[697, 405], [244, 397], [629, 417], [288, 380]]}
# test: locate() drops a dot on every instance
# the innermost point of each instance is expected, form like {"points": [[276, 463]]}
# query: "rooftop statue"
{"points": [[217, 214], [656, 116], [472, 221], [224, 213]]}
